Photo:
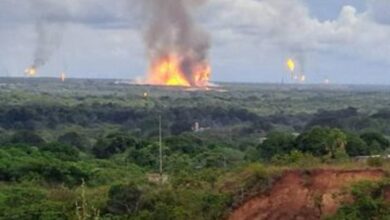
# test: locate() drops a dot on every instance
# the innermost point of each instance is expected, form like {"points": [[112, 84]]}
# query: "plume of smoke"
{"points": [[49, 27], [172, 30], [49, 36]]}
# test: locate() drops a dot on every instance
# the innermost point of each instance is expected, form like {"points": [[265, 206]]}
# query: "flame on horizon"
{"points": [[31, 71], [302, 78], [63, 77], [326, 81], [295, 70], [291, 64]]}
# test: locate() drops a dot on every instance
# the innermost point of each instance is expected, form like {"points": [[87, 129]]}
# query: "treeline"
{"points": [[325, 143], [177, 120]]}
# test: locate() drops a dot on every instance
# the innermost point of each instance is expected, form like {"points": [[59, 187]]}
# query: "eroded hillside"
{"points": [[304, 195]]}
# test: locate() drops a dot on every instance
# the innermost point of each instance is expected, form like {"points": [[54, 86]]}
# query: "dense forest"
{"points": [[89, 149]]}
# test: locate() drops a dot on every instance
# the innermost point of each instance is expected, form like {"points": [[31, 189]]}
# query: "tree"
{"points": [[113, 144], [335, 143], [333, 118], [276, 143], [124, 199], [61, 151], [323, 141], [179, 127], [186, 144], [147, 156], [356, 146], [73, 139], [376, 142], [27, 137]]}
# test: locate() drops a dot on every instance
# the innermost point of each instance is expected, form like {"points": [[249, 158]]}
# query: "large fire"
{"points": [[168, 71]]}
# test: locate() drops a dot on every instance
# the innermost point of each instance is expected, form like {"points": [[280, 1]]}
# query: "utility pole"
{"points": [[160, 150]]}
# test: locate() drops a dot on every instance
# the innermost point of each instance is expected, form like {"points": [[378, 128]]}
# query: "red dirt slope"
{"points": [[303, 195]]}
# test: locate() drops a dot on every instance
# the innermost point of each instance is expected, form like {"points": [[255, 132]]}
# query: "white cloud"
{"points": [[106, 33], [288, 25]]}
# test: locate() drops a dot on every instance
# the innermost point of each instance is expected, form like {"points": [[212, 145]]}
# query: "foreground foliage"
{"points": [[369, 202], [88, 149]]}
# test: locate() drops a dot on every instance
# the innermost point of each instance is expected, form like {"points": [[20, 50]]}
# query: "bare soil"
{"points": [[304, 195]]}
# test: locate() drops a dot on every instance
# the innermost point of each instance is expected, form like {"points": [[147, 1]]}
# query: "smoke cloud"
{"points": [[49, 27], [49, 36], [171, 30]]}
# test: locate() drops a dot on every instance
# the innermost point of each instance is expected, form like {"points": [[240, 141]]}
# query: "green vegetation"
{"points": [[369, 202], [88, 149]]}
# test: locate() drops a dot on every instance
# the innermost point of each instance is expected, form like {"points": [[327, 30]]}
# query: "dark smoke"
{"points": [[49, 36], [172, 30], [49, 27]]}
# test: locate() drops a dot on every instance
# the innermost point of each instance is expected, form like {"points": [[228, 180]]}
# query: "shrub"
{"points": [[124, 199], [73, 139], [276, 143], [375, 161], [113, 144], [26, 137], [368, 203], [295, 158]]}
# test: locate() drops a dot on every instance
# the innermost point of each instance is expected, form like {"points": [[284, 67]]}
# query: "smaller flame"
{"points": [[302, 78], [31, 71], [291, 64], [326, 81], [63, 77]]}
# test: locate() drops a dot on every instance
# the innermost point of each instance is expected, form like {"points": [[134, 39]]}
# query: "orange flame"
{"points": [[167, 71]]}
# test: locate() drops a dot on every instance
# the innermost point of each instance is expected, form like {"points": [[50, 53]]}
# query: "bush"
{"points": [[323, 142], [26, 202], [27, 137], [73, 139], [375, 161], [61, 151], [356, 146], [124, 199], [113, 144], [276, 143], [295, 158], [368, 203], [32, 164], [376, 142]]}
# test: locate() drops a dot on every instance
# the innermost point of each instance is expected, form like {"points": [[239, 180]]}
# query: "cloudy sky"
{"points": [[345, 41]]}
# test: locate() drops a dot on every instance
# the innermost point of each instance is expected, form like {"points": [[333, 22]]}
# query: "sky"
{"points": [[343, 41]]}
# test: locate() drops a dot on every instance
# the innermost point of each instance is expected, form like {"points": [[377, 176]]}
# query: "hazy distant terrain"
{"points": [[87, 102]]}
